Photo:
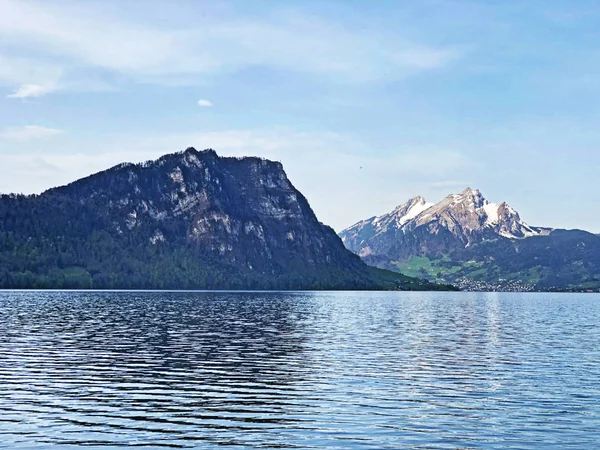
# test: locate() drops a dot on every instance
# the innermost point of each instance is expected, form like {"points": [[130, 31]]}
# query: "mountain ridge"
{"points": [[188, 220], [452, 234]]}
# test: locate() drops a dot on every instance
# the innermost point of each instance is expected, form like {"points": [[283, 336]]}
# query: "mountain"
{"points": [[476, 244], [189, 220]]}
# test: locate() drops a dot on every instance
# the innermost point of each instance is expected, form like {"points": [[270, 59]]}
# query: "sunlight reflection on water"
{"points": [[299, 370]]}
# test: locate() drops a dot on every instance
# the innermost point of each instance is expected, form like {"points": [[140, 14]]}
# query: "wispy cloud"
{"points": [[19, 71], [31, 90], [28, 132], [203, 102], [73, 37]]}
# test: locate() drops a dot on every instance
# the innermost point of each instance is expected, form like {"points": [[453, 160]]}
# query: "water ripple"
{"points": [[299, 370]]}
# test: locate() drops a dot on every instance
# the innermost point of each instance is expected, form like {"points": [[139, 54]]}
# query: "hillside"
{"points": [[189, 220]]}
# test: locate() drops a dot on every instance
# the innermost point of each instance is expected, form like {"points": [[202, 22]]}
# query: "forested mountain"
{"points": [[476, 244], [189, 220]]}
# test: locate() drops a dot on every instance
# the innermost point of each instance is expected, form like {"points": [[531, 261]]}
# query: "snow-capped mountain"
{"points": [[467, 240], [468, 217]]}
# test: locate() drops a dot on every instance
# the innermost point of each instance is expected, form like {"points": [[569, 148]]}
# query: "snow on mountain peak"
{"points": [[459, 221], [491, 212], [401, 214], [468, 214], [418, 205]]}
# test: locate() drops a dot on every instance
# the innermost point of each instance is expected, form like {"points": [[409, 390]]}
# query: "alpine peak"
{"points": [[476, 244], [468, 217], [469, 190]]}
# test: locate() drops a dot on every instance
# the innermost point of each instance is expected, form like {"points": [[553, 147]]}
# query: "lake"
{"points": [[338, 370]]}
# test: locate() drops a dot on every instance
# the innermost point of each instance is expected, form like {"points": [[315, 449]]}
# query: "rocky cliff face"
{"points": [[242, 210], [211, 221]]}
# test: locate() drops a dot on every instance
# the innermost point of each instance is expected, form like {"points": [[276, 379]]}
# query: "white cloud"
{"points": [[73, 37], [31, 90], [28, 132], [203, 102]]}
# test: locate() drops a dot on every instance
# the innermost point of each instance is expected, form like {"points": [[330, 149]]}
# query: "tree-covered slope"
{"points": [[190, 220]]}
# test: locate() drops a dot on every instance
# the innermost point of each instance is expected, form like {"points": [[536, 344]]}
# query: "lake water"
{"points": [[337, 370]]}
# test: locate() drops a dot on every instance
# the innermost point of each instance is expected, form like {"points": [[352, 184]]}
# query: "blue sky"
{"points": [[365, 103]]}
